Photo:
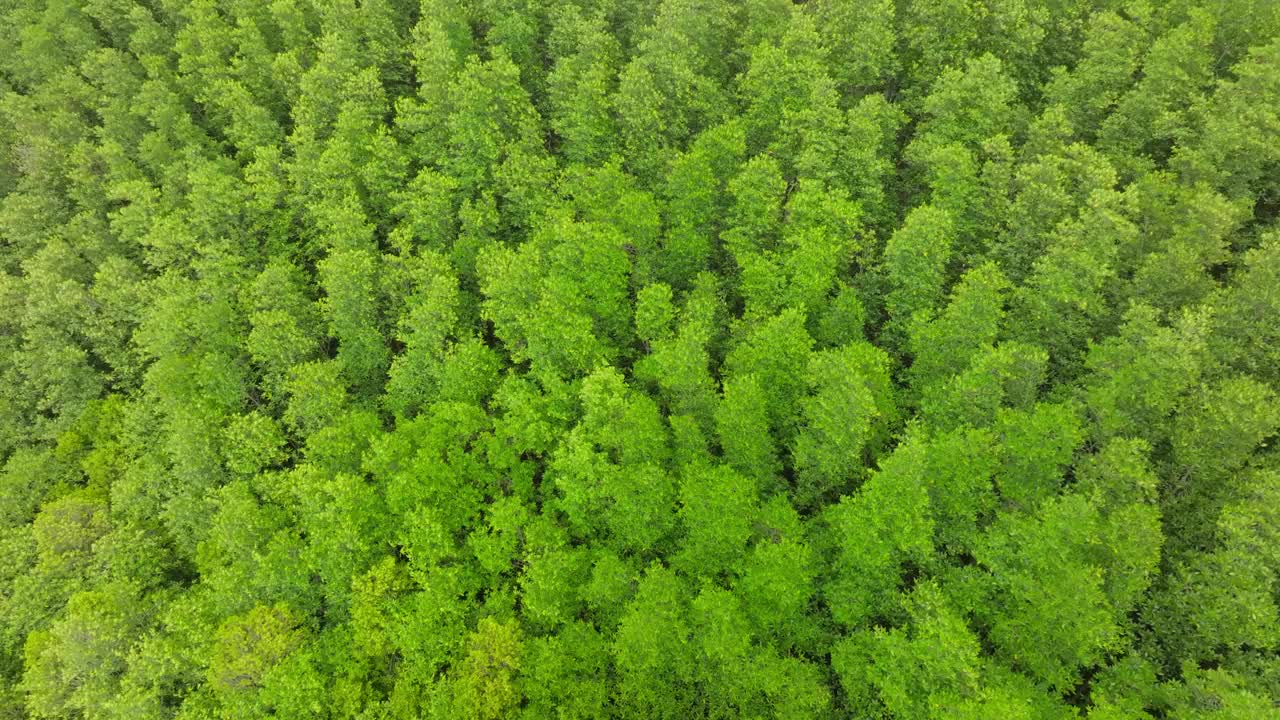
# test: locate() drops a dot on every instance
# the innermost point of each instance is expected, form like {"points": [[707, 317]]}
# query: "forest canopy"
{"points": [[568, 359]]}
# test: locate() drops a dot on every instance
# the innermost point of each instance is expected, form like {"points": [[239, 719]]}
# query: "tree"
{"points": [[717, 509], [1111, 57], [1008, 375], [860, 43], [76, 664], [1120, 483], [580, 86], [1058, 184], [254, 442], [742, 425], [490, 111], [561, 302], [439, 43], [944, 343], [967, 106], [642, 122], [1064, 299], [1242, 328], [962, 497], [682, 58], [426, 328], [917, 670], [915, 260], [825, 236], [1178, 275], [552, 577], [872, 127], [1176, 72], [565, 674], [428, 212], [248, 646], [611, 485], [651, 650], [1050, 614], [438, 445], [778, 578], [697, 201], [1139, 376], [679, 363], [284, 324], [348, 276], [775, 351], [844, 421], [779, 83], [1037, 445], [757, 191], [1220, 428], [316, 396], [611, 197], [486, 685], [879, 530], [1234, 151]]}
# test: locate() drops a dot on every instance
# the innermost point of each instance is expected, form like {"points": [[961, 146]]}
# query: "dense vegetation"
{"points": [[615, 358]]}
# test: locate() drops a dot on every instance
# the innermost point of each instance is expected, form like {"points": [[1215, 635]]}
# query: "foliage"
{"points": [[608, 358]]}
